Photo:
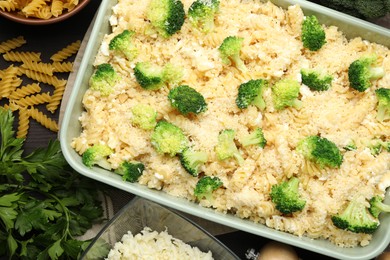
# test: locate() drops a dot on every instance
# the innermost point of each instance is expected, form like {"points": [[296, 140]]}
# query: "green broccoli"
{"points": [[230, 51], [167, 16], [356, 218], [255, 138], [377, 145], [152, 77], [201, 14], [251, 93], [226, 148], [205, 186], [169, 139], [97, 155], [285, 93], [286, 196], [383, 96], [104, 79], [122, 44], [130, 171], [361, 73], [187, 100], [350, 147], [313, 35], [377, 206], [321, 151], [316, 80], [144, 116], [191, 160]]}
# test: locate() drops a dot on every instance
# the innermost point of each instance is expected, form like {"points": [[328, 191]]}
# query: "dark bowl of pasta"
{"points": [[40, 12]]}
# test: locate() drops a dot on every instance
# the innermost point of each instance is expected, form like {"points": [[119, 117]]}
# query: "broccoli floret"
{"points": [[201, 14], [356, 218], [169, 139], [285, 93], [122, 44], [144, 116], [187, 100], [286, 196], [230, 51], [383, 96], [226, 148], [152, 77], [130, 171], [321, 151], [167, 16], [377, 206], [97, 155], [313, 35], [104, 79], [191, 160], [206, 186], [361, 73], [255, 138], [316, 80], [148, 75], [251, 93], [377, 145]]}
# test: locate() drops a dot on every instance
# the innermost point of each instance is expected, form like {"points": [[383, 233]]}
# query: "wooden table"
{"points": [[49, 39]]}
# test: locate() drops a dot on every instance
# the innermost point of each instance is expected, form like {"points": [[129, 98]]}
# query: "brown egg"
{"points": [[277, 251]]}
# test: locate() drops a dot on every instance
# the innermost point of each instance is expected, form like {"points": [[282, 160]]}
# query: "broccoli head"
{"points": [[226, 147], [167, 16], [361, 73], [191, 160], [169, 139], [201, 14], [148, 75], [285, 93], [230, 51], [377, 206], [187, 100], [356, 218], [285, 196], [152, 77], [251, 93], [383, 96], [320, 151], [313, 35], [130, 171], [205, 186], [104, 79], [316, 80], [122, 44], [144, 116], [97, 155], [255, 138], [376, 146]]}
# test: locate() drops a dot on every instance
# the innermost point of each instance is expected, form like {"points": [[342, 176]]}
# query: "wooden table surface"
{"points": [[50, 38]]}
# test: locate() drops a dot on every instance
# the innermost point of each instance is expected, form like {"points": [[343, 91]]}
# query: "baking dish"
{"points": [[351, 26]]}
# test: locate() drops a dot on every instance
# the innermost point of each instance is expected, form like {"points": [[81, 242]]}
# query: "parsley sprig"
{"points": [[44, 204]]}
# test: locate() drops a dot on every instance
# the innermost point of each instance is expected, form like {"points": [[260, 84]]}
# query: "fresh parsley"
{"points": [[44, 204]]}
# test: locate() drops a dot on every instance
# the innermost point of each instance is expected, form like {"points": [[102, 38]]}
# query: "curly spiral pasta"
{"points": [[43, 119], [62, 66], [21, 56], [41, 67], [9, 81], [55, 99], [51, 80], [23, 123], [34, 6], [11, 44], [8, 6], [43, 13], [66, 52], [34, 100], [25, 91], [57, 7]]}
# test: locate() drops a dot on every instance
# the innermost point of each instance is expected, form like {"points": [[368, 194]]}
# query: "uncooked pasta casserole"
{"points": [[245, 107]]}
